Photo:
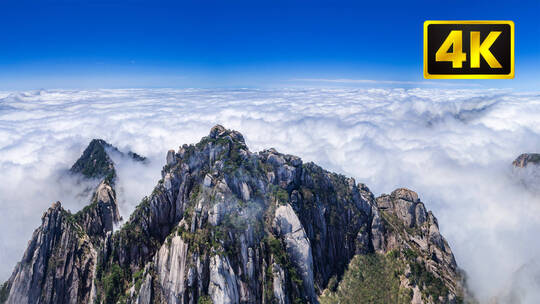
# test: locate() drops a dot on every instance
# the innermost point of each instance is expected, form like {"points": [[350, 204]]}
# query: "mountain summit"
{"points": [[96, 161], [225, 225]]}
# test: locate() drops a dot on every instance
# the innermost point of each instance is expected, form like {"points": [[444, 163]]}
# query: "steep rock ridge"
{"points": [[101, 214], [99, 217], [411, 262], [335, 215], [288, 226], [403, 225], [225, 225], [58, 264]]}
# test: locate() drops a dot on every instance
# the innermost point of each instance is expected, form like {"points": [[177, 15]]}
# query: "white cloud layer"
{"points": [[454, 147], [386, 82]]}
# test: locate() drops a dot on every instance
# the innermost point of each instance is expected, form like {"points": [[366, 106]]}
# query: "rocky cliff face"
{"points": [[101, 214], [99, 217], [58, 264], [407, 242], [225, 225]]}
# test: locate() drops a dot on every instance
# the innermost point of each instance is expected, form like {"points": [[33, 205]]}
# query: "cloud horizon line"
{"points": [[374, 81]]}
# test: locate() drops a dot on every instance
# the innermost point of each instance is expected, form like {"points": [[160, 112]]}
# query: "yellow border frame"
{"points": [[470, 76]]}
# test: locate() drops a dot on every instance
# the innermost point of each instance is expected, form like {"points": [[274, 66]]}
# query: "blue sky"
{"points": [[80, 44]]}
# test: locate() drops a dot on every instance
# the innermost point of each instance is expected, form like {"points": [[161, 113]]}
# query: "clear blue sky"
{"points": [[75, 43]]}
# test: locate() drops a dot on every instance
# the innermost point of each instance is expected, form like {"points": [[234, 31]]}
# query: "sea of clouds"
{"points": [[454, 147]]}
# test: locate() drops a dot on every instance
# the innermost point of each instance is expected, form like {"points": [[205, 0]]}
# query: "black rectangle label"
{"points": [[469, 49]]}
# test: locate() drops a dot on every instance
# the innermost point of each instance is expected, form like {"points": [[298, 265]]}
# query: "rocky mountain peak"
{"points": [[54, 213], [218, 131], [525, 159], [58, 254], [225, 225], [101, 214], [63, 251], [56, 206], [99, 217], [405, 194], [95, 162]]}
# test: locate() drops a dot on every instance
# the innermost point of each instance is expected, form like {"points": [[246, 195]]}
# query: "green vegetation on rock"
{"points": [[374, 278], [205, 300], [282, 258], [95, 162], [113, 284], [429, 284]]}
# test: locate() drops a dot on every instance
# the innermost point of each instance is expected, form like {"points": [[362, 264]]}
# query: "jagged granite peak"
{"points": [[525, 159], [99, 217], [101, 214], [404, 227], [57, 266], [59, 263], [218, 131], [95, 161], [225, 225]]}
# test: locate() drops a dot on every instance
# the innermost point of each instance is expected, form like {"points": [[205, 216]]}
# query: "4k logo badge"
{"points": [[468, 49]]}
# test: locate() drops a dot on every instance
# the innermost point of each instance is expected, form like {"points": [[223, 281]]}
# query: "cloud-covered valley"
{"points": [[453, 147]]}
